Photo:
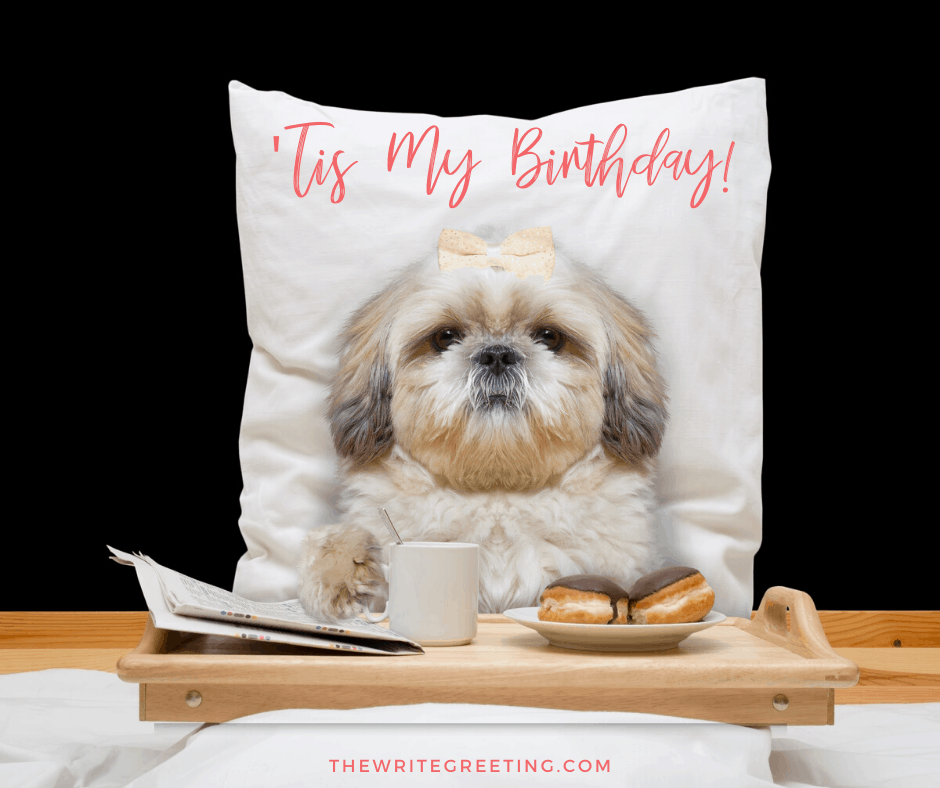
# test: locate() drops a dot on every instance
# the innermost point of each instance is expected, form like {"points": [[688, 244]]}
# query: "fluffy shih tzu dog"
{"points": [[523, 415]]}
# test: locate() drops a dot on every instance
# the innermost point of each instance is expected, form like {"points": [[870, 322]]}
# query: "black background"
{"points": [[143, 337]]}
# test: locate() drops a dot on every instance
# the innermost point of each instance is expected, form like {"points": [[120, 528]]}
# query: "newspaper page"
{"points": [[163, 589]]}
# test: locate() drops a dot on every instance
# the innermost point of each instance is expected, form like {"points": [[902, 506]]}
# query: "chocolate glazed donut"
{"points": [[673, 595], [584, 599]]}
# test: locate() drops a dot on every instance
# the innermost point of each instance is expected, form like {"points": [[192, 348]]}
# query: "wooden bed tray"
{"points": [[776, 669]]}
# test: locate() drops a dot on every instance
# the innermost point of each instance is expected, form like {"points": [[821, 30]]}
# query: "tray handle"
{"points": [[152, 641], [803, 634]]}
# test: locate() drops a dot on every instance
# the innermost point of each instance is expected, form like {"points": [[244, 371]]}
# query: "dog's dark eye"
{"points": [[444, 338], [549, 337]]}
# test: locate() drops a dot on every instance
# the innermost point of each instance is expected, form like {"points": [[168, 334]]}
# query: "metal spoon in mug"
{"points": [[388, 524]]}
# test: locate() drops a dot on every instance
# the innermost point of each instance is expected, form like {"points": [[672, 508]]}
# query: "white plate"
{"points": [[612, 637]]}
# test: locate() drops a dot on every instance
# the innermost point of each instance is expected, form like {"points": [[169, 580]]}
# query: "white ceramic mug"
{"points": [[433, 592]]}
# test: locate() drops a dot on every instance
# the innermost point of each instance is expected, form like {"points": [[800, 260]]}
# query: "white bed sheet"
{"points": [[71, 728]]}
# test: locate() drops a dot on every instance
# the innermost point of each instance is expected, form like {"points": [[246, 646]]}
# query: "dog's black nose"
{"points": [[496, 358]]}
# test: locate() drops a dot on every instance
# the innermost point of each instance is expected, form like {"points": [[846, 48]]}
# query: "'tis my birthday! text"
{"points": [[598, 160]]}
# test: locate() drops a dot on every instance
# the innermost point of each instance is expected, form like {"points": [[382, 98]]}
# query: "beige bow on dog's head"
{"points": [[525, 253]]}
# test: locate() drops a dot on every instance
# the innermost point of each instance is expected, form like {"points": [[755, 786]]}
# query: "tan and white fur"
{"points": [[522, 415]]}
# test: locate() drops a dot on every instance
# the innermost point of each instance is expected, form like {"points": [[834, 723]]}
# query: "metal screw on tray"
{"points": [[193, 698], [781, 702]]}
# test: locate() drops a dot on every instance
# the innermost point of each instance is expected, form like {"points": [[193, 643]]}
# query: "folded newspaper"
{"points": [[178, 602]]}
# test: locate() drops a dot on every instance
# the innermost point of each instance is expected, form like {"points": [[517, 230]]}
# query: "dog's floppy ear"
{"points": [[360, 411], [634, 392]]}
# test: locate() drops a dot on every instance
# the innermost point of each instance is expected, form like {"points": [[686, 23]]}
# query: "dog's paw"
{"points": [[340, 570]]}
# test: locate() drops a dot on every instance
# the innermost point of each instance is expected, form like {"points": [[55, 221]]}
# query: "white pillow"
{"points": [[694, 271]]}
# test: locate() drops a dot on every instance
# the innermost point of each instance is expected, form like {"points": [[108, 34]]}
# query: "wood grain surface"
{"points": [[881, 629], [109, 629], [898, 652], [72, 630]]}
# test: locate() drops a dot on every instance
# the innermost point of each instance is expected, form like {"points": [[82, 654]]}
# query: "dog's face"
{"points": [[493, 382]]}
